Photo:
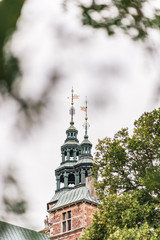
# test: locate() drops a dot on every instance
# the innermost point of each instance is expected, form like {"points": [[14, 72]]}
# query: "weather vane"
{"points": [[86, 124], [72, 109]]}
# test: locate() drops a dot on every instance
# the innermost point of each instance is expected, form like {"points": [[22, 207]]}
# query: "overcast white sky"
{"points": [[119, 77]]}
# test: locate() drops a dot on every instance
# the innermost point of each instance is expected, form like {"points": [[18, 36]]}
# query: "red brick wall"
{"points": [[89, 209], [81, 217]]}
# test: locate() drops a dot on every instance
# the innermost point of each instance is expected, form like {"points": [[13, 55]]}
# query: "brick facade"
{"points": [[81, 217]]}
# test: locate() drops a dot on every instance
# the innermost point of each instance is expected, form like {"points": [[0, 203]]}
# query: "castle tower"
{"points": [[70, 210]]}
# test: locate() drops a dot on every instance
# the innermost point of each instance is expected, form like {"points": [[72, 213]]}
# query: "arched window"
{"points": [[61, 181], [77, 154], [65, 154], [71, 180], [71, 154], [79, 177]]}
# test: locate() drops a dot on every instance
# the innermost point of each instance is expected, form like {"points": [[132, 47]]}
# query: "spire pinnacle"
{"points": [[86, 124], [72, 109]]}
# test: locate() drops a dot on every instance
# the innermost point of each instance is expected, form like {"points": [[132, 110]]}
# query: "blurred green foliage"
{"points": [[9, 13], [131, 16], [13, 197]]}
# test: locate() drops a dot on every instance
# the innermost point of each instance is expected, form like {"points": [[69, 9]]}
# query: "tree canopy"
{"points": [[127, 170], [133, 17]]}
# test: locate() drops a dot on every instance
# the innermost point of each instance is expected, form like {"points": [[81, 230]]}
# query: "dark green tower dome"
{"points": [[71, 149], [86, 147], [71, 133]]}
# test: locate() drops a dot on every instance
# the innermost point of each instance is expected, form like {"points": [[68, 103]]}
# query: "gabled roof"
{"points": [[12, 232], [73, 196]]}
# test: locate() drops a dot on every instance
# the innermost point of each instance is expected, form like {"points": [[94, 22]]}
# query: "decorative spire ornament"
{"points": [[86, 124], [72, 109]]}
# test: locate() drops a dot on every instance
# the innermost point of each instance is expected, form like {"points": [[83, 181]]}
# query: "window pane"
{"points": [[69, 214], [64, 226], [64, 216], [69, 225]]}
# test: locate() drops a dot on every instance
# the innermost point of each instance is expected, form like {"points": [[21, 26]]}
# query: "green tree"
{"points": [[126, 163], [128, 183], [131, 16], [124, 217]]}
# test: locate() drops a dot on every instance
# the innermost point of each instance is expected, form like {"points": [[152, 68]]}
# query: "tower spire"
{"points": [[72, 109], [86, 124]]}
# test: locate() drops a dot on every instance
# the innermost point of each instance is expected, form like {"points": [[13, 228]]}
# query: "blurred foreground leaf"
{"points": [[133, 17], [13, 197], [9, 13]]}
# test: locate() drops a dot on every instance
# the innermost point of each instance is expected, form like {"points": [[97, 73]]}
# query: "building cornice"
{"points": [[70, 232]]}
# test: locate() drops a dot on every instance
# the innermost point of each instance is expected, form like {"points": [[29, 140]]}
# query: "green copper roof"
{"points": [[86, 141], [72, 127], [70, 142], [12, 232], [57, 195], [66, 164], [73, 196], [84, 160]]}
